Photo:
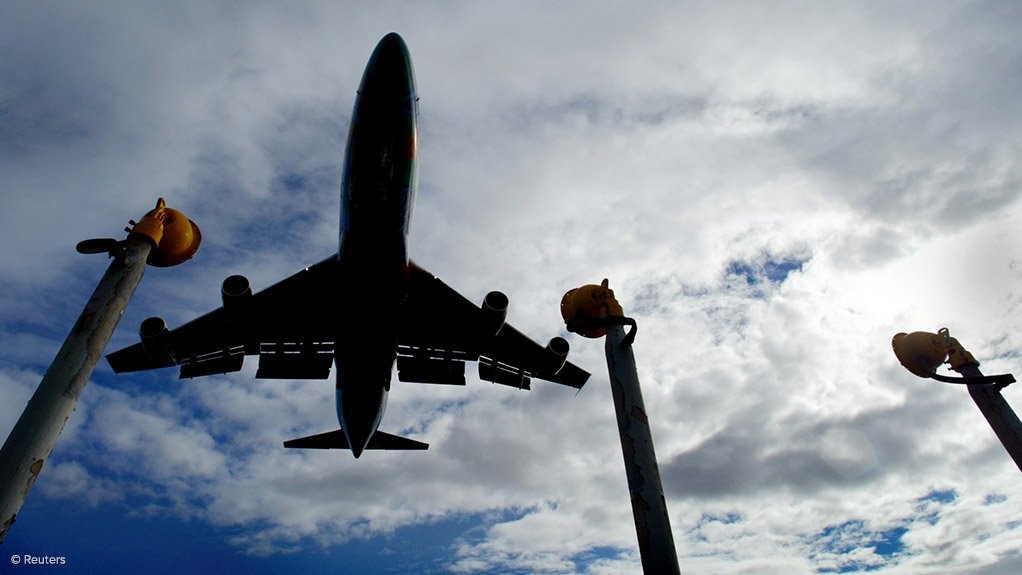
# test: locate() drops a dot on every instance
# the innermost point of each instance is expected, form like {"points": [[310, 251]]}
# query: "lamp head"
{"points": [[581, 307], [920, 352], [181, 238], [175, 238]]}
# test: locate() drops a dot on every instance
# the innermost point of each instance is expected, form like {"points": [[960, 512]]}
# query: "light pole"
{"points": [[922, 352], [593, 312], [164, 237]]}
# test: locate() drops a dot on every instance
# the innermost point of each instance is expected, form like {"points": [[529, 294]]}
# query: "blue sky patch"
{"points": [[940, 496], [725, 518], [929, 505], [995, 498], [176, 546], [770, 271], [836, 544]]}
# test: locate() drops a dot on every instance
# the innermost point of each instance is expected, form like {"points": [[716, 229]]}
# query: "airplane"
{"points": [[369, 305]]}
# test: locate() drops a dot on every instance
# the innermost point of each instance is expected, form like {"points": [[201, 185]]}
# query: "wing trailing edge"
{"points": [[337, 440]]}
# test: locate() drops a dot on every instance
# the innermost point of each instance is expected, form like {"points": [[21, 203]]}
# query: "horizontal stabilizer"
{"points": [[337, 440], [382, 440]]}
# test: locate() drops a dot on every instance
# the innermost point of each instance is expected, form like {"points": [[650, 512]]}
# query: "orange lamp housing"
{"points": [[580, 309], [181, 239], [175, 238], [587, 310], [920, 352]]}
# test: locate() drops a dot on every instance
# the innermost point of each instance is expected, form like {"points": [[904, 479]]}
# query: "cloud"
{"points": [[18, 388], [773, 191], [73, 481]]}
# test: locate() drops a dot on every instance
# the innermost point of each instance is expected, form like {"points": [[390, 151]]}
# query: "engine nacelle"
{"points": [[235, 291], [155, 338], [494, 312], [557, 355]]}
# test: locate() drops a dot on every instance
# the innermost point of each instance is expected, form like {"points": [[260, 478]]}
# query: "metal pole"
{"points": [[652, 524], [997, 412], [36, 431]]}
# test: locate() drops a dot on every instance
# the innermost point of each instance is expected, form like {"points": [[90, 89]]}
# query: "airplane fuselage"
{"points": [[377, 195]]}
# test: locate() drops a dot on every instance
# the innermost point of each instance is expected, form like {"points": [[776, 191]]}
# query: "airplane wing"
{"points": [[286, 325], [440, 330], [289, 326]]}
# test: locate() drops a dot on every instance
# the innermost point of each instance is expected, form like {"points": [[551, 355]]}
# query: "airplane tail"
{"points": [[337, 440]]}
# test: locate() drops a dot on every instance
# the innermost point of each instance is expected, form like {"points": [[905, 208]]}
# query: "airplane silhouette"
{"points": [[367, 306]]}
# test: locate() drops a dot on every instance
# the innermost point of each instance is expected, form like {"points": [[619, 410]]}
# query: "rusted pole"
{"points": [[998, 413], [922, 353], [652, 524], [36, 431]]}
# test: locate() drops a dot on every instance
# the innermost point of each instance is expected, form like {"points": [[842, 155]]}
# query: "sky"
{"points": [[773, 189]]}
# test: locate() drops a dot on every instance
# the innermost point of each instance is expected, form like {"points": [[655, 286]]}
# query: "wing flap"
{"points": [[296, 362], [496, 372], [426, 370], [226, 363], [441, 320]]}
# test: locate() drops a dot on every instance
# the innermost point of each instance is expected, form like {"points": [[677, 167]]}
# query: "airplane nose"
{"points": [[389, 73]]}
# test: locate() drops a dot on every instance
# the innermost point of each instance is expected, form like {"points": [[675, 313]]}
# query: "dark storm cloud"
{"points": [[755, 454]]}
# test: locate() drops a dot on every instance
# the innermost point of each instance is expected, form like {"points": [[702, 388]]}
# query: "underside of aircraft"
{"points": [[366, 307]]}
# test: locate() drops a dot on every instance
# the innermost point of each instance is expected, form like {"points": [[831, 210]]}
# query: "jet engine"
{"points": [[557, 355], [494, 312], [155, 337], [235, 291]]}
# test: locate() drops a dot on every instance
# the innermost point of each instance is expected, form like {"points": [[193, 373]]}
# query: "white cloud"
{"points": [[17, 389], [773, 191], [73, 481]]}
